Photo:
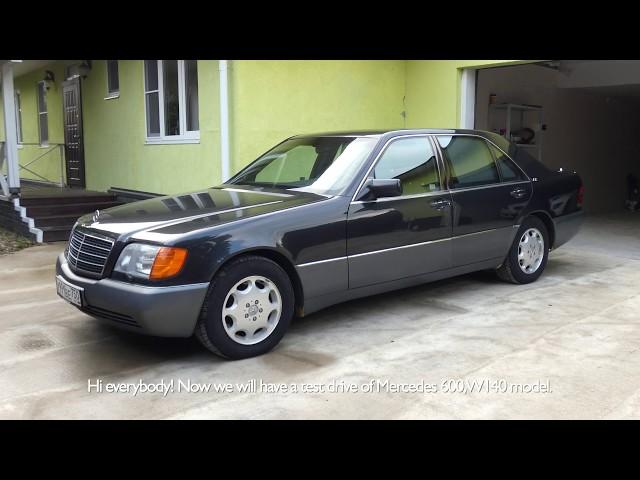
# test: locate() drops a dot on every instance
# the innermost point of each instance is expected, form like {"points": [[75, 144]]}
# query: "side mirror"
{"points": [[379, 188]]}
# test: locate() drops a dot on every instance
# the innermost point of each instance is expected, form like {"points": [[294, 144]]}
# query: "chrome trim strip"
{"points": [[492, 185], [308, 264], [404, 197], [400, 247], [477, 233]]}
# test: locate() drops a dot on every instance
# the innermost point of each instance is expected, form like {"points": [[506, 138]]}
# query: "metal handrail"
{"points": [[54, 146]]}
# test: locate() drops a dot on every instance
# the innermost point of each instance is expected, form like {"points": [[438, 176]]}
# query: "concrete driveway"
{"points": [[567, 346]]}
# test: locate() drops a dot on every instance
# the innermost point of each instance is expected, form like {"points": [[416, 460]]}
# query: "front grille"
{"points": [[88, 252]]}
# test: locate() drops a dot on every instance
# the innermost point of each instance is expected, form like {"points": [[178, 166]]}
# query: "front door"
{"points": [[397, 237], [73, 135]]}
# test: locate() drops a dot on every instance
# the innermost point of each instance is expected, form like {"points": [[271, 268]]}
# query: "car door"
{"points": [[485, 206], [407, 235]]}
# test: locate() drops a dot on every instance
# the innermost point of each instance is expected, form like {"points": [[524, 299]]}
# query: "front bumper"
{"points": [[160, 311]]}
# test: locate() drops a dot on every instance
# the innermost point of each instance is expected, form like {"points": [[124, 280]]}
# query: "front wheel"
{"points": [[247, 310], [528, 254]]}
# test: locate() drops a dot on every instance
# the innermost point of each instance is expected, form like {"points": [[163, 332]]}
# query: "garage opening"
{"points": [[574, 115]]}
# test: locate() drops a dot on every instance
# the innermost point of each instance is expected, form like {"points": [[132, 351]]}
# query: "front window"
{"points": [[413, 162], [324, 165], [171, 100], [18, 105], [113, 78], [43, 116]]}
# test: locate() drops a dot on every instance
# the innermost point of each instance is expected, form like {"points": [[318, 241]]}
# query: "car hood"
{"points": [[175, 215]]}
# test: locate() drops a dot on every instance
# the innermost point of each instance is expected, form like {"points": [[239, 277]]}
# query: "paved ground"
{"points": [[575, 331]]}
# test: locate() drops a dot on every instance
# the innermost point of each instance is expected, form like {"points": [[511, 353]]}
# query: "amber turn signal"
{"points": [[169, 261]]}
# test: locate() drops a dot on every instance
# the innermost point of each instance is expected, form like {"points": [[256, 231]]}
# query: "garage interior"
{"points": [[585, 116]]}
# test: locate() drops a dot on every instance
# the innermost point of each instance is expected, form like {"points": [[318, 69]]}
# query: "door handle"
{"points": [[440, 204], [519, 193]]}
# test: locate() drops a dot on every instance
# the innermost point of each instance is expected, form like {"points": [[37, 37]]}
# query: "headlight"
{"points": [[150, 262]]}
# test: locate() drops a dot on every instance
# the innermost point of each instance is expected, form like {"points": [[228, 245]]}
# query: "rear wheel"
{"points": [[528, 255], [247, 310]]}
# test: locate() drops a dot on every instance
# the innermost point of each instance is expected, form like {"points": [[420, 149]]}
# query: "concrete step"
{"points": [[55, 220], [68, 209], [66, 200], [55, 234]]}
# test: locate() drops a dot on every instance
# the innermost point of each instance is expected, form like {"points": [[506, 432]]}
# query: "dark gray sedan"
{"points": [[317, 220]]}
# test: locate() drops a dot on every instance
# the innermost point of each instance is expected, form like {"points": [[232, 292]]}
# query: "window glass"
{"points": [[171, 99], [412, 161], [509, 172], [153, 115], [469, 160], [191, 82], [113, 80], [324, 165], [18, 104], [151, 75], [171, 102], [43, 121], [292, 166]]}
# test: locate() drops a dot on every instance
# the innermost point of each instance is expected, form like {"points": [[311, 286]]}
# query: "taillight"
{"points": [[580, 196]]}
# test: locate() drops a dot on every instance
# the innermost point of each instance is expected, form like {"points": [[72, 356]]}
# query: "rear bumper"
{"points": [[566, 227], [160, 311]]}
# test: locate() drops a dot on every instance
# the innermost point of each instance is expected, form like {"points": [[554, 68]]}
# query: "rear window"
{"points": [[509, 171]]}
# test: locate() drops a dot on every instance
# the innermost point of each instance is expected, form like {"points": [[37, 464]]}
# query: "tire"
{"points": [[223, 335], [511, 270]]}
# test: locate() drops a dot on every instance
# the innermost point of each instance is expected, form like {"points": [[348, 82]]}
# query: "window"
{"points": [[469, 161], [299, 162], [324, 165], [171, 100], [509, 171], [18, 102], [43, 120], [113, 79], [413, 162]]}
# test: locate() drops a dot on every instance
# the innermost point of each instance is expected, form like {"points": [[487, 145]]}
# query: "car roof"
{"points": [[377, 133]]}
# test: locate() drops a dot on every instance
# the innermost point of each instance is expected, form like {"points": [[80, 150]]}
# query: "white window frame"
{"points": [[112, 93], [43, 84], [18, 106], [186, 136]]}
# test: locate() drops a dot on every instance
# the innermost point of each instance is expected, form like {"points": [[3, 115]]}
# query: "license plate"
{"points": [[70, 293]]}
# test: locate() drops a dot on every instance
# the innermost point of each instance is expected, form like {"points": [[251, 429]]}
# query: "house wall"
{"points": [[433, 90], [116, 152], [273, 100], [269, 101], [49, 163]]}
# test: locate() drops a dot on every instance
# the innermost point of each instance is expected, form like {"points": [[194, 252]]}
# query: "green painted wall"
{"points": [[116, 153], [48, 165], [273, 100], [433, 90], [269, 101]]}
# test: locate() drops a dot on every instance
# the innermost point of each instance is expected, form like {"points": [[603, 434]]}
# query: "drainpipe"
{"points": [[224, 120]]}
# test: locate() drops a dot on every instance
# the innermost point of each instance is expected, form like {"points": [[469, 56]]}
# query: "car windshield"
{"points": [[324, 165]]}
